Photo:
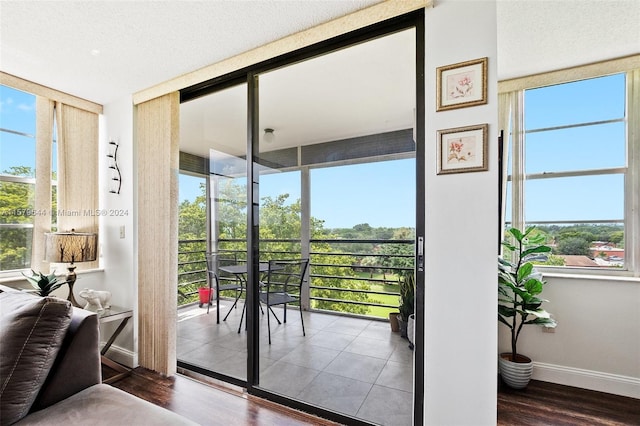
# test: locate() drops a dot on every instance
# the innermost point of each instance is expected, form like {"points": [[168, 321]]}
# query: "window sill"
{"points": [[584, 275], [13, 276]]}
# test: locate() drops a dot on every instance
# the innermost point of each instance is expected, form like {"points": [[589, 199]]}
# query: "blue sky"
{"points": [[383, 193], [580, 198], [17, 112]]}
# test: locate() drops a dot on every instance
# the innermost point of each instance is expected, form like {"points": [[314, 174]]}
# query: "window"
{"points": [[575, 159], [18, 176]]}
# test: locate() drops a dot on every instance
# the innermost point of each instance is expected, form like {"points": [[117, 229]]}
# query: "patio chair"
{"points": [[282, 286], [222, 280]]}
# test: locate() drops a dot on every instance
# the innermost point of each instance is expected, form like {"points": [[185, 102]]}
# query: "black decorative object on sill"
{"points": [[115, 182]]}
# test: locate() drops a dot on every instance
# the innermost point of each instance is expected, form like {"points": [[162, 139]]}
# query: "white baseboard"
{"points": [[121, 355], [587, 379]]}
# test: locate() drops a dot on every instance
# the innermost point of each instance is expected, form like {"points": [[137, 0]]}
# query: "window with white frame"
{"points": [[574, 173], [18, 148]]}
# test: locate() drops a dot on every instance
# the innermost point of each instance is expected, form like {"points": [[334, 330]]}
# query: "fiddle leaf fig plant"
{"points": [[519, 285], [44, 284]]}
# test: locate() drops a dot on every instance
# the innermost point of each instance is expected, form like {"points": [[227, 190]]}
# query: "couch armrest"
{"points": [[77, 366]]}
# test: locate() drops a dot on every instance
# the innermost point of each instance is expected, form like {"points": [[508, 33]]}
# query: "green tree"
{"points": [[575, 246], [192, 232], [617, 237], [334, 266], [400, 257], [16, 200]]}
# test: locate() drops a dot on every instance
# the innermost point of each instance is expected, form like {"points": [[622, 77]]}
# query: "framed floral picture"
{"points": [[462, 85], [463, 149]]}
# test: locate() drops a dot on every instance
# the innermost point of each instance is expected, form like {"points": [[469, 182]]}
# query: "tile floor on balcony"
{"points": [[350, 365]]}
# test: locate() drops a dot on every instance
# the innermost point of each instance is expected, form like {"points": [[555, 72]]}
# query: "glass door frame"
{"points": [[250, 76]]}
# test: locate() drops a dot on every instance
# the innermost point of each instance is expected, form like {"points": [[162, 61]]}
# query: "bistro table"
{"points": [[240, 271]]}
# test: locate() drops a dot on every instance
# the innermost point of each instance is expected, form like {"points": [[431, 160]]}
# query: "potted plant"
{"points": [[44, 284], [519, 286], [407, 292], [394, 321]]}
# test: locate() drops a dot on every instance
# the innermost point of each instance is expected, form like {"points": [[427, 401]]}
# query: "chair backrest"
{"points": [[215, 260], [286, 275]]}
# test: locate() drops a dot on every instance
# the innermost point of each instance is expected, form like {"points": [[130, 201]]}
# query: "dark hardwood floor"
{"points": [[540, 403], [208, 404], [543, 403]]}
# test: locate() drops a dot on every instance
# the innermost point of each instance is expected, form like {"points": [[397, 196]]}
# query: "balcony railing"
{"points": [[352, 277]]}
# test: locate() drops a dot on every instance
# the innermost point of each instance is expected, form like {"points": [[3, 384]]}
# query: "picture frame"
{"points": [[461, 85], [462, 149]]}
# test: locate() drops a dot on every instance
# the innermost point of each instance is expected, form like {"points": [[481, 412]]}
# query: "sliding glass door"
{"points": [[302, 205], [213, 233], [336, 172]]}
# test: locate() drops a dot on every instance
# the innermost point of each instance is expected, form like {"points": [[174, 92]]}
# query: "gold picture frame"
{"points": [[461, 85], [462, 149]]}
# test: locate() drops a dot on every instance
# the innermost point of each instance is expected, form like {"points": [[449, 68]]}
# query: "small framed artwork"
{"points": [[463, 149], [462, 85]]}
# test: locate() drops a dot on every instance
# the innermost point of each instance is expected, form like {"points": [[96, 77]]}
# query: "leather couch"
{"points": [[50, 369]]}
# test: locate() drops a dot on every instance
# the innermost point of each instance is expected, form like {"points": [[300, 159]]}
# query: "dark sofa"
{"points": [[50, 368]]}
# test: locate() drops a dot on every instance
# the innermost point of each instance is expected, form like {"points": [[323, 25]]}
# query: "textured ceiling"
{"points": [[537, 36], [104, 50]]}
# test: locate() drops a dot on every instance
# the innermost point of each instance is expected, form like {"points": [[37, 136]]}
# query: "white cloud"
{"points": [[26, 107]]}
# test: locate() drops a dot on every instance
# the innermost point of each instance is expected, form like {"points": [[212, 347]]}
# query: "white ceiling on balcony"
{"points": [[362, 90]]}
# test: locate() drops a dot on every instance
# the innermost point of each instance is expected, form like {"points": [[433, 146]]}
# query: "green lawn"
{"points": [[378, 311]]}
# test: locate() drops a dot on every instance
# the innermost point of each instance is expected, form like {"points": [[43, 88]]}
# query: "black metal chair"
{"points": [[283, 285], [222, 281]]}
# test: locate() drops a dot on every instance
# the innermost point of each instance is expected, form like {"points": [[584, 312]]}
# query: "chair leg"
{"points": [[302, 321], [241, 317], [274, 315], [235, 303], [217, 306], [269, 324]]}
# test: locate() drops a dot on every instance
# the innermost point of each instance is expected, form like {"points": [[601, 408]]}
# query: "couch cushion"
{"points": [[31, 331], [104, 405]]}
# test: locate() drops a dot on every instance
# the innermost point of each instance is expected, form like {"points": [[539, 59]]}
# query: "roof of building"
{"points": [[578, 260]]}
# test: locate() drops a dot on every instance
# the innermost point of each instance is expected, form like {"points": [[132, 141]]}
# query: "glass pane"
{"points": [[213, 140], [508, 203], [17, 155], [17, 110], [391, 206], [17, 203], [592, 245], [280, 215], [577, 198], [582, 101], [578, 148], [192, 237], [15, 248], [337, 186]]}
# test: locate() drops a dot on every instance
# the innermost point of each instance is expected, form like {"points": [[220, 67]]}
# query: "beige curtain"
{"points": [[510, 121], [157, 223], [632, 223], [77, 171], [42, 203]]}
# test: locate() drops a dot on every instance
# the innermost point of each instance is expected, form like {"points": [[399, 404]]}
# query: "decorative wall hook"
{"points": [[115, 182]]}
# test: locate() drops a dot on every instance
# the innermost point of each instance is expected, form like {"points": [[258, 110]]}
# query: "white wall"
{"points": [[596, 344], [461, 230], [118, 254]]}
